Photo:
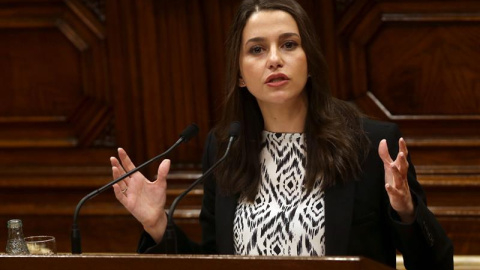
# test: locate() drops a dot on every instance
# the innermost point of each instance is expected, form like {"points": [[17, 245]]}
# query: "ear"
{"points": [[241, 82]]}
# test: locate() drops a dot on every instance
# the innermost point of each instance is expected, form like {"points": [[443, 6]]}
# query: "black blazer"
{"points": [[359, 218]]}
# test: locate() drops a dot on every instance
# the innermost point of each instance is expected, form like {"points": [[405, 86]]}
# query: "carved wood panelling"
{"points": [[417, 64], [55, 113], [178, 96], [82, 77], [97, 6], [47, 70]]}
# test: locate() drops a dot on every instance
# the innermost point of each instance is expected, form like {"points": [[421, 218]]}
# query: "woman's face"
{"points": [[273, 64]]}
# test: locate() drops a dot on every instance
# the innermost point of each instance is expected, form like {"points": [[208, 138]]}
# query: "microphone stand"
{"points": [[189, 132], [170, 235]]}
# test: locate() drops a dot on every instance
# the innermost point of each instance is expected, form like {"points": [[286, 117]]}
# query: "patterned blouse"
{"points": [[283, 219]]}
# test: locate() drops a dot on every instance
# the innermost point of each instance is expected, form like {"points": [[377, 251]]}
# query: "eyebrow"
{"points": [[282, 36]]}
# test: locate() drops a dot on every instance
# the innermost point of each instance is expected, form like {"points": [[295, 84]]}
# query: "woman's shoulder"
{"points": [[377, 130]]}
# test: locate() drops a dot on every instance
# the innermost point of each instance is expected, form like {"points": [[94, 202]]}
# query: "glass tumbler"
{"points": [[41, 245]]}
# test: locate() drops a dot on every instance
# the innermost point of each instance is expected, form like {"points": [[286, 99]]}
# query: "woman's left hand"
{"points": [[396, 182]]}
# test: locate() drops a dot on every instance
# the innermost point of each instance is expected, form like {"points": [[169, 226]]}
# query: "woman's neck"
{"points": [[285, 118]]}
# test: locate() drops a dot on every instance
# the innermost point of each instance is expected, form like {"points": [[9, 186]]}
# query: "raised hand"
{"points": [[144, 199], [396, 182]]}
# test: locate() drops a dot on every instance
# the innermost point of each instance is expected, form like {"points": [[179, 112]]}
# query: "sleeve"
{"points": [[207, 216], [423, 243]]}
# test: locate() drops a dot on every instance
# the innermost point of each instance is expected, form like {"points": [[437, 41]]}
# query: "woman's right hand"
{"points": [[144, 199]]}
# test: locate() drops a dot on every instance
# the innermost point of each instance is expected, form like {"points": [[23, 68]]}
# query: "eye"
{"points": [[290, 45], [256, 49]]}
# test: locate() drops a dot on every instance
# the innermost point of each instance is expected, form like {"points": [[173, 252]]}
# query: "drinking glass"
{"points": [[41, 245]]}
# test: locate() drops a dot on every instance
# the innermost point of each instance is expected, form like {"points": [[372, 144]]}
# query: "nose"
{"points": [[274, 59]]}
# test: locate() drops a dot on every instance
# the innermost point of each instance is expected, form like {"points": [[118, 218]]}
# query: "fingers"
{"points": [[392, 191], [119, 194], [395, 170], [399, 195], [383, 152], [403, 146], [163, 170], [396, 183], [398, 179], [401, 159], [401, 156], [126, 162], [402, 164], [118, 171], [115, 164], [116, 174]]}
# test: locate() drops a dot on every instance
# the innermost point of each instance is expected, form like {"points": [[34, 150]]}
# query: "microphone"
{"points": [[170, 236], [185, 136]]}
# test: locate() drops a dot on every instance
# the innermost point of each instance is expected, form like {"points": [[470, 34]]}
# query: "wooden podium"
{"points": [[185, 262]]}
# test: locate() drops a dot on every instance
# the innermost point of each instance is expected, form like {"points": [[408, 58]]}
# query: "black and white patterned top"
{"points": [[283, 219]]}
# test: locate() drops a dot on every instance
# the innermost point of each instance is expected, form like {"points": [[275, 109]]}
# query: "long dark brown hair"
{"points": [[335, 139]]}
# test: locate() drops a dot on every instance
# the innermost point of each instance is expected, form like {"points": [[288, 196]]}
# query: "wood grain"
{"points": [[78, 82]]}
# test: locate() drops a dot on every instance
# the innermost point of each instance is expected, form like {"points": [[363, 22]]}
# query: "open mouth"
{"points": [[275, 78]]}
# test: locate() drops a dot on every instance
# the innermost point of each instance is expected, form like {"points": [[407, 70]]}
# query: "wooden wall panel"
{"points": [[55, 117], [83, 77], [417, 64]]}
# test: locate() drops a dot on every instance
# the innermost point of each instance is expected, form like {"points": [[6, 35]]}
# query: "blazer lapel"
{"points": [[225, 214], [338, 218]]}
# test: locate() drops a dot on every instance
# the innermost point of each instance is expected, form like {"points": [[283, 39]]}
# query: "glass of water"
{"points": [[41, 245]]}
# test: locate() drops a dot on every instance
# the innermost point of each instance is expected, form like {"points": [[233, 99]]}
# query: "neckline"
{"points": [[282, 133]]}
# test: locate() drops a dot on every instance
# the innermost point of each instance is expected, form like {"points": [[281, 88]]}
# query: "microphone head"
{"points": [[234, 130], [189, 132]]}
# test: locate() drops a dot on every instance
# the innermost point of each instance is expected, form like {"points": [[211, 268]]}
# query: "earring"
{"points": [[241, 83]]}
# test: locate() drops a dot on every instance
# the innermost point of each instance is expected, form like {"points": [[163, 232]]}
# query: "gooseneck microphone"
{"points": [[170, 237], [185, 136]]}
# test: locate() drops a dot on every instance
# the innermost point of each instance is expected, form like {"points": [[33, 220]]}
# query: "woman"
{"points": [[305, 177]]}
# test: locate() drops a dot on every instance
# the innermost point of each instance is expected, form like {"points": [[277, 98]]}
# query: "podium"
{"points": [[185, 262]]}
